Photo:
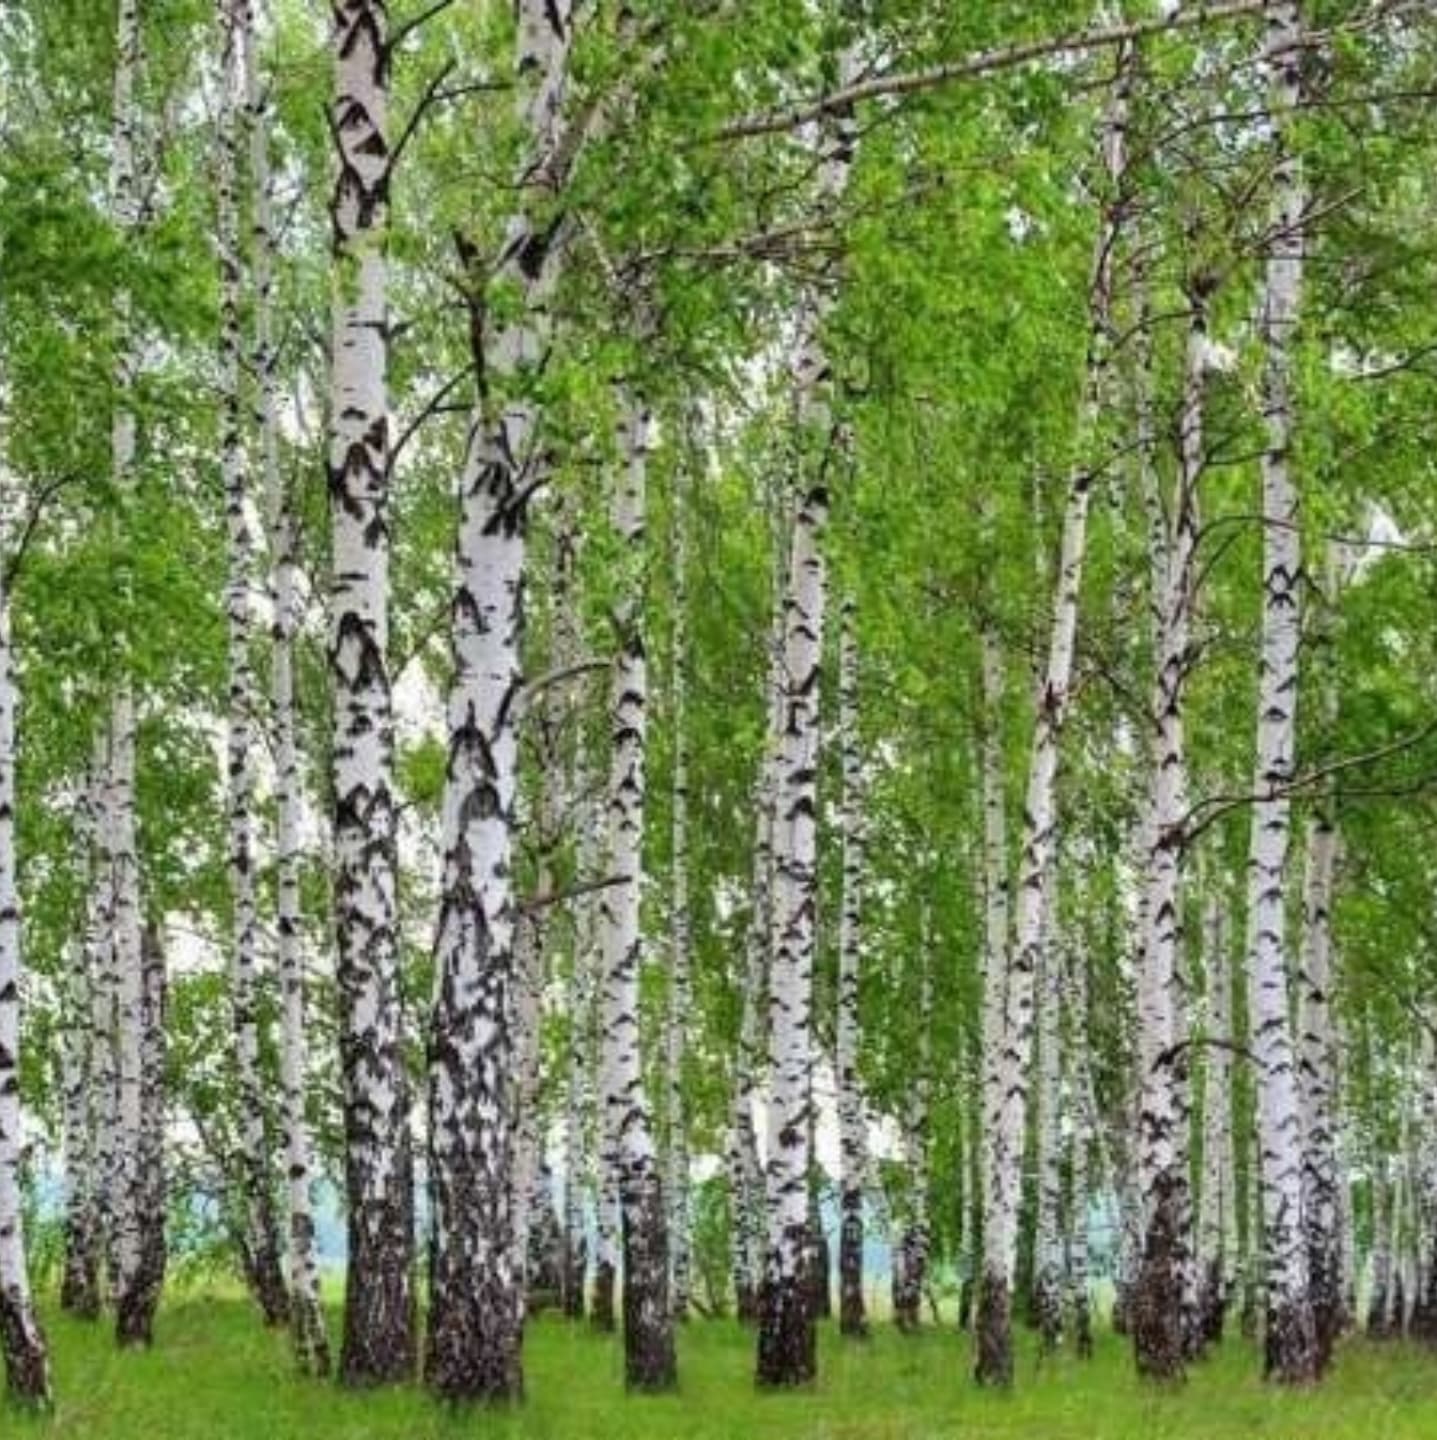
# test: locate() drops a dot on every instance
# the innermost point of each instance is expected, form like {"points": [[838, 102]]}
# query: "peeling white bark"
{"points": [[1290, 1349]]}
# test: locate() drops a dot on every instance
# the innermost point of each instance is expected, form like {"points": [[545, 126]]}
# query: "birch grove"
{"points": [[639, 641]]}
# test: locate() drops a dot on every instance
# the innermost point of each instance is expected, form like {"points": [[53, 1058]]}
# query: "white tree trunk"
{"points": [[786, 1336], [786, 1341], [1048, 1234], [131, 1326], [1291, 1353], [648, 1327], [84, 1098], [379, 1340], [746, 1181], [1003, 1159], [306, 1316], [676, 1179], [475, 1328], [1164, 1327], [255, 1204], [121, 859], [1080, 1145], [27, 1364], [852, 1127], [104, 988], [910, 1264], [1217, 1224]]}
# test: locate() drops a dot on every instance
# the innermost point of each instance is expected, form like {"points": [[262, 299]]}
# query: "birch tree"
{"points": [[27, 1362], [649, 1361], [853, 1139], [379, 1342], [1291, 1352], [1003, 1139], [256, 1203], [306, 1317]]}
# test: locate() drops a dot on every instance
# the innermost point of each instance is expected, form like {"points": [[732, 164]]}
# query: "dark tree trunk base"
{"points": [[820, 1263], [1290, 1346], [745, 1303], [27, 1363], [1214, 1306], [1157, 1318], [965, 1304], [575, 1276], [1082, 1328], [379, 1330], [995, 1333], [80, 1286], [601, 1313], [852, 1314], [650, 1363], [1122, 1309], [787, 1342]]}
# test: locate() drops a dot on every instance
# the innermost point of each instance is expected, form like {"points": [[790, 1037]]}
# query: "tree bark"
{"points": [[1162, 1323], [649, 1361], [82, 1096], [256, 1203], [1291, 1348], [852, 1136], [680, 998], [379, 1301], [1004, 1143], [306, 1315], [27, 1362]]}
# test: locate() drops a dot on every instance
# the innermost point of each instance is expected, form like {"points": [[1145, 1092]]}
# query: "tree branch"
{"points": [[985, 62]]}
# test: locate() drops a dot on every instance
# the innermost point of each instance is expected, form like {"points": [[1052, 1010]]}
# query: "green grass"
{"points": [[215, 1375]]}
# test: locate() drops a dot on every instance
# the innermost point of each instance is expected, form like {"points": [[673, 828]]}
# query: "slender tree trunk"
{"points": [[120, 858], [27, 1363], [852, 1131], [136, 1304], [1162, 1323], [911, 1268], [130, 1027], [1080, 1079], [1004, 1152], [578, 1098], [746, 1179], [1217, 1222], [649, 1362], [103, 995], [306, 1316], [1048, 1233], [379, 1302], [82, 1096], [676, 1181], [1291, 1349], [256, 1203], [994, 1300], [786, 1353], [1318, 1062]]}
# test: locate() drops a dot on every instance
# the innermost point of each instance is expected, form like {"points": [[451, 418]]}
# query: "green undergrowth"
{"points": [[214, 1374]]}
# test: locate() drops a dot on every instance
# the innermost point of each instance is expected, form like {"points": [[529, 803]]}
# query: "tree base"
{"points": [[27, 1362], [601, 1312], [650, 1363], [994, 1365], [787, 1342], [1290, 1346]]}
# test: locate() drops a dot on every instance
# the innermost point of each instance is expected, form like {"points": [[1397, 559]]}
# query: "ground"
{"points": [[214, 1374]]}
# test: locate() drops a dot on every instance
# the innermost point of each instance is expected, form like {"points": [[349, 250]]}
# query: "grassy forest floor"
{"points": [[214, 1374]]}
